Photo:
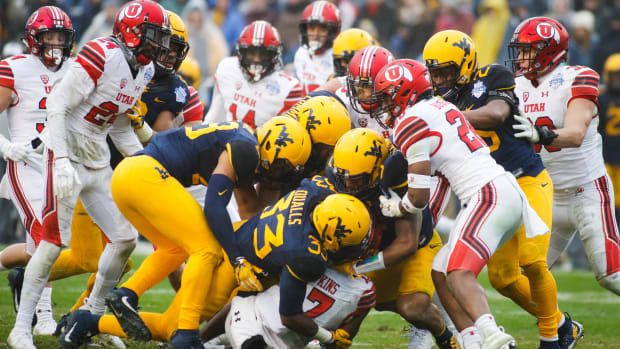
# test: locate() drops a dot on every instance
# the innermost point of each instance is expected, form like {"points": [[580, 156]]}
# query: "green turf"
{"points": [[579, 294]]}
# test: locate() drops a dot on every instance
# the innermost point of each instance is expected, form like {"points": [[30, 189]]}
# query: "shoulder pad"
{"points": [[307, 268], [244, 159], [496, 77]]}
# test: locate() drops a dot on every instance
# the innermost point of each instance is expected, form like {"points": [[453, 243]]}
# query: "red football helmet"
{"points": [[399, 85], [363, 70], [143, 26], [259, 50], [326, 14], [49, 19], [543, 43]]}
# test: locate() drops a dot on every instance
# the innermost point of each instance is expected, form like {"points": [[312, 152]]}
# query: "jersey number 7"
{"points": [[324, 302]]}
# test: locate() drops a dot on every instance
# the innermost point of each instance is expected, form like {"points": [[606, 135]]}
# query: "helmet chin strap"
{"points": [[314, 45], [54, 55]]}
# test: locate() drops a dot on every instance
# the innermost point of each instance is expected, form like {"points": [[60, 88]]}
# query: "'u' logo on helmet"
{"points": [[131, 11]]}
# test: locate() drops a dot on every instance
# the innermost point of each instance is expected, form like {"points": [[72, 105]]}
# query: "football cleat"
{"points": [[110, 341], [123, 302], [549, 345], [498, 340], [81, 326], [419, 338], [20, 340], [46, 325], [185, 339], [569, 333], [450, 343], [16, 280]]}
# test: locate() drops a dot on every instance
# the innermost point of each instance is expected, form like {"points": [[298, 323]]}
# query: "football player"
{"points": [[401, 271], [485, 96], [346, 45], [609, 103], [223, 155], [104, 81], [319, 26], [251, 87], [436, 138], [560, 109], [25, 83]]}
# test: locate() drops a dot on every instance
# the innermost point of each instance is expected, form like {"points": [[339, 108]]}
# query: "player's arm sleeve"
{"points": [[409, 132], [217, 109], [293, 280], [193, 109], [72, 90], [7, 79], [294, 96], [585, 85], [124, 137], [218, 196]]}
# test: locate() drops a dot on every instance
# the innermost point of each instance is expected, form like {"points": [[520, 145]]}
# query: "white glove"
{"points": [[525, 128], [390, 207], [65, 178], [16, 151]]}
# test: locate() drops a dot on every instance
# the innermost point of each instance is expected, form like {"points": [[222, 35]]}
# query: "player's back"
{"points": [[284, 231], [496, 82], [190, 154], [546, 104], [31, 82], [458, 153]]}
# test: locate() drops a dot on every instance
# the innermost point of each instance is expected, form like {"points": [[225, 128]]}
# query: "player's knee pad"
{"points": [[611, 282], [255, 342], [123, 248], [536, 271]]}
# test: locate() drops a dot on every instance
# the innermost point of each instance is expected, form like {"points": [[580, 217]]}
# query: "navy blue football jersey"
{"points": [[166, 93], [609, 127], [516, 155], [190, 154], [284, 232]]}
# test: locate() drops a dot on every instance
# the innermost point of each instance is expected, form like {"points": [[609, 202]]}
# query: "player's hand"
{"points": [[65, 178], [136, 117], [341, 339], [16, 151], [247, 275], [390, 207], [525, 128]]}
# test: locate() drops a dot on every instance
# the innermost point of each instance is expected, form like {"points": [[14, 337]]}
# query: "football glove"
{"points": [[135, 116], [16, 151], [340, 339], [65, 178], [247, 277], [525, 128], [390, 207]]}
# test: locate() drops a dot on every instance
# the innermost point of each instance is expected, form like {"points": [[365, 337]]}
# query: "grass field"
{"points": [[579, 294]]}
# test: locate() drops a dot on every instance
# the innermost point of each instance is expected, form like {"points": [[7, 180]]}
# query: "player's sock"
{"points": [[155, 268], [111, 265], [549, 343], [108, 324], [84, 296], [35, 279], [486, 325], [545, 296], [471, 338]]}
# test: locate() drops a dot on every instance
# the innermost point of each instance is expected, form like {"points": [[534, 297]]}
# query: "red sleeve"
{"points": [[294, 96], [193, 108], [409, 131], [585, 86], [6, 75], [92, 58]]}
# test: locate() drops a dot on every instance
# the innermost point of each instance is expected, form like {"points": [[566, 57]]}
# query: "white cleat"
{"points": [[110, 341], [45, 326], [498, 340], [20, 340], [420, 338]]}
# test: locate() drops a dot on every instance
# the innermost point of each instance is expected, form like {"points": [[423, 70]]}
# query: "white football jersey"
{"points": [[329, 301], [458, 153], [111, 91], [546, 105], [313, 70], [359, 119], [254, 103], [31, 82]]}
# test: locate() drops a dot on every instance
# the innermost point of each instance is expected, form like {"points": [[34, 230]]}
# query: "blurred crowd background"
{"points": [[402, 26]]}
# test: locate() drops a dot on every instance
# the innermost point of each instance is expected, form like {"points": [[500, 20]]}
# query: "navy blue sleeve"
{"points": [[219, 192], [292, 294]]}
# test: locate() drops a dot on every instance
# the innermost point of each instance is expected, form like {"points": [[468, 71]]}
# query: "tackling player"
{"points": [[104, 81], [559, 104], [319, 26], [251, 87], [485, 96], [436, 138]]}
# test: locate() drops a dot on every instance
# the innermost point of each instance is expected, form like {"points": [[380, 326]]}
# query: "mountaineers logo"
{"points": [[375, 150], [281, 140], [312, 121], [463, 44], [341, 231]]}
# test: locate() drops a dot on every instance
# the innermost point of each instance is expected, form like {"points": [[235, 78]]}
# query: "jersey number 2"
{"points": [[248, 118], [105, 112], [466, 132]]}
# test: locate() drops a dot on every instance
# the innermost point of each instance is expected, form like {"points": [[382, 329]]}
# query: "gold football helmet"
{"points": [[343, 224], [346, 44], [284, 147], [450, 57], [611, 74], [358, 161], [179, 46], [190, 72]]}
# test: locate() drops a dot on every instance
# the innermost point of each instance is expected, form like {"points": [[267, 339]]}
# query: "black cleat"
{"points": [[16, 281], [123, 302], [185, 339], [570, 333], [80, 327]]}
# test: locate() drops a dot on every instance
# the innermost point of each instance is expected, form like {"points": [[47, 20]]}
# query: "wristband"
{"points": [[144, 133], [418, 181], [323, 335], [370, 264], [408, 206]]}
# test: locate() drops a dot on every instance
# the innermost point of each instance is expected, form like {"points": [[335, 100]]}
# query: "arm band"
{"points": [[370, 264], [144, 133], [408, 206], [418, 181], [323, 335]]}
